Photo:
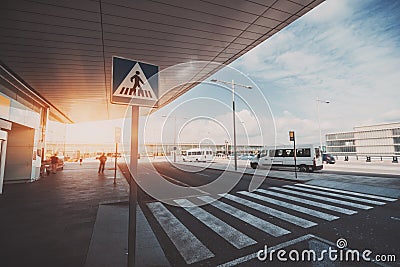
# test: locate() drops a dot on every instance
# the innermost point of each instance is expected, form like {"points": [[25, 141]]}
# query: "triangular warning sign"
{"points": [[135, 85]]}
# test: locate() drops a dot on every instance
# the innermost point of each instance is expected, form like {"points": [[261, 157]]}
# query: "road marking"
{"points": [[276, 213], [230, 234], [373, 202], [327, 199], [259, 223], [309, 202], [191, 249], [350, 192], [298, 208], [202, 174]]}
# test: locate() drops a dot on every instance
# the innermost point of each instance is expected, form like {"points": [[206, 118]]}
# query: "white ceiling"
{"points": [[63, 49]]}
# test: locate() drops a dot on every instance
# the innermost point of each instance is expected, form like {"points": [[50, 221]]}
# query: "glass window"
{"points": [[288, 153], [279, 153], [272, 153], [303, 152]]}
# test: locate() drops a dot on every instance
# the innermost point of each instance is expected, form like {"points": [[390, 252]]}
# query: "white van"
{"points": [[308, 158], [198, 154]]}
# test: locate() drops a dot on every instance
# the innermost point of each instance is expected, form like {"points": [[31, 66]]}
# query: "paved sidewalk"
{"points": [[50, 222]]}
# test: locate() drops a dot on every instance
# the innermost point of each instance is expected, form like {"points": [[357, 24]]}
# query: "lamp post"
{"points": [[233, 112], [319, 121]]}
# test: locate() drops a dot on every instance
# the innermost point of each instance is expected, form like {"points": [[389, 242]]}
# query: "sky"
{"points": [[346, 52]]}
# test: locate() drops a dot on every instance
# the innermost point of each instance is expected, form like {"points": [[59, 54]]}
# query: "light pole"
{"points": [[319, 122], [233, 112], [165, 116]]}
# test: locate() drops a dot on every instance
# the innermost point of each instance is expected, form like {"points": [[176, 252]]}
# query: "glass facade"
{"points": [[377, 140]]}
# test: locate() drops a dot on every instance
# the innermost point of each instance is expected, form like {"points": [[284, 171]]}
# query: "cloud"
{"points": [[329, 11], [343, 51]]}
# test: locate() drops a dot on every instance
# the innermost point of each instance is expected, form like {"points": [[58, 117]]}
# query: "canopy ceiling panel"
{"points": [[63, 49]]}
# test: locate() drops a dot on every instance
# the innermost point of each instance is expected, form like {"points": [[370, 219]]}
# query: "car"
{"points": [[328, 158]]}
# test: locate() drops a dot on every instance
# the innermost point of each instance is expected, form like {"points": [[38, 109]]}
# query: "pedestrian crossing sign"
{"points": [[134, 83]]}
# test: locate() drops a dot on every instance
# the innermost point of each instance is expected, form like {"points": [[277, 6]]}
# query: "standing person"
{"points": [[103, 160], [80, 161], [54, 161]]}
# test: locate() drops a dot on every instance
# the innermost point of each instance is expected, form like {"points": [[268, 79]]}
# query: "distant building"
{"points": [[382, 140]]}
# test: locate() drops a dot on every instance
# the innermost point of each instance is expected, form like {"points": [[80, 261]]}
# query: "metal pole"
{"points": [[319, 126], [115, 163], [175, 139], [133, 187], [295, 156], [234, 124]]}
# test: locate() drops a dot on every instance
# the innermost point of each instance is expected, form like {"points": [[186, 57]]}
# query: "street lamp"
{"points": [[233, 112], [165, 116], [319, 122]]}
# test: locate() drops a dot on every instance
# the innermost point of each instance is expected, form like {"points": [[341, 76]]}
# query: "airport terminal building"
{"points": [[382, 140], [23, 120]]}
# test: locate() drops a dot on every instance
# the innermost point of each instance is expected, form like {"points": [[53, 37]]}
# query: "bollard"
{"points": [[395, 160], [368, 159]]}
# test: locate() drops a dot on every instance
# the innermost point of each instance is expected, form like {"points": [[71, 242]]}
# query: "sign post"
{"points": [[135, 84], [292, 138], [117, 140]]}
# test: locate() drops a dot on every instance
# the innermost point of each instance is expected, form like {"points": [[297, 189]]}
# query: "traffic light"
{"points": [[291, 135]]}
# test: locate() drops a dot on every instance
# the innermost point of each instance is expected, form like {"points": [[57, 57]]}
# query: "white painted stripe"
{"points": [[202, 174], [261, 224], [309, 202], [350, 192], [373, 202], [191, 249], [298, 208], [276, 213], [230, 234], [327, 199]]}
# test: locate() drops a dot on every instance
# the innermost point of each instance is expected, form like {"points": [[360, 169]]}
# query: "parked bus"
{"points": [[198, 154], [308, 158]]}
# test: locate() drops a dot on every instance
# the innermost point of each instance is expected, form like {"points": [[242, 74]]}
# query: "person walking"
{"points": [[103, 160], [54, 161]]}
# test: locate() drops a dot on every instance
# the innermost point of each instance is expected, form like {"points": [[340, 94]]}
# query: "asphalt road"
{"points": [[281, 214]]}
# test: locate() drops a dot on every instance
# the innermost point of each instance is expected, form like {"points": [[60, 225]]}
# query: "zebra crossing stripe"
{"points": [[230, 234], [327, 199], [373, 202], [261, 224], [309, 202], [298, 208], [191, 249], [267, 210], [350, 192]]}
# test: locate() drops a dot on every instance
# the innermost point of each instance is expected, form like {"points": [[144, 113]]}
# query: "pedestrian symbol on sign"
{"points": [[137, 80]]}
